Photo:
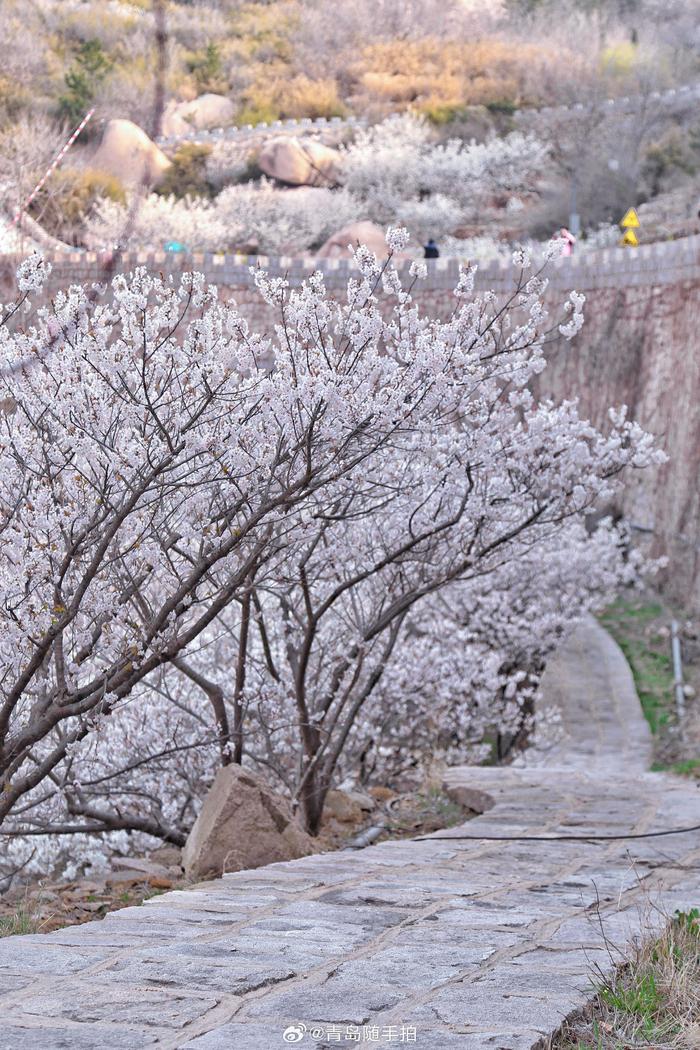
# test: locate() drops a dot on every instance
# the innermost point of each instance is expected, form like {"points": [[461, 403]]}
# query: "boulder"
{"points": [[127, 153], [299, 162], [206, 111], [242, 824], [355, 233]]}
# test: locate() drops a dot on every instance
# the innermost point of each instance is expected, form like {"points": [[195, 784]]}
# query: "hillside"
{"points": [[469, 69]]}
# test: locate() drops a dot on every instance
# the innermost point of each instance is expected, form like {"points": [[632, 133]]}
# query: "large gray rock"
{"points": [[242, 824], [299, 162], [206, 111]]}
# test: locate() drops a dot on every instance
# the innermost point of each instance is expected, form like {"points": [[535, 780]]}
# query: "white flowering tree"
{"points": [[259, 217], [207, 559], [398, 172], [469, 666]]}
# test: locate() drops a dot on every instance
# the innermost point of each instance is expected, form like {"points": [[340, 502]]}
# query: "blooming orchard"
{"points": [[311, 553], [258, 216], [393, 171], [396, 171]]}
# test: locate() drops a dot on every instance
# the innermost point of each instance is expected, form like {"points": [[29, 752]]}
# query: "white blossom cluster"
{"points": [[258, 217], [330, 564], [399, 173]]}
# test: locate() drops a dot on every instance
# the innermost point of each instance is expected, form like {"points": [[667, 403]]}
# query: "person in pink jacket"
{"points": [[569, 241]]}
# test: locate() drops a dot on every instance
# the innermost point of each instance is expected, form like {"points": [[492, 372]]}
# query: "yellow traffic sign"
{"points": [[630, 220], [630, 238]]}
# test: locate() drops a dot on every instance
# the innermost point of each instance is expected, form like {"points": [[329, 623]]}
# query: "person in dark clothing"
{"points": [[430, 250]]}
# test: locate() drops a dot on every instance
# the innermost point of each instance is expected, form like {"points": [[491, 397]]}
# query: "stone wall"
{"points": [[640, 346], [337, 127]]}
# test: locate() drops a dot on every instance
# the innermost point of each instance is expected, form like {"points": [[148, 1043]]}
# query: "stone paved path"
{"points": [[447, 943]]}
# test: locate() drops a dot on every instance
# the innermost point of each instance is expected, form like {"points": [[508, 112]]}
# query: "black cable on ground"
{"points": [[557, 838]]}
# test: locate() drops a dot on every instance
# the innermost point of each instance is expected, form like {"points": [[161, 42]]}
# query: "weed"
{"points": [[19, 922], [640, 998], [652, 1000]]}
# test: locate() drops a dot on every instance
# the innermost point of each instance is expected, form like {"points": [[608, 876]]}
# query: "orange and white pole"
{"points": [[52, 167]]}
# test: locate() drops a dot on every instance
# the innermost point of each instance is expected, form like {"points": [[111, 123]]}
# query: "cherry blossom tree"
{"points": [[224, 548], [470, 665]]}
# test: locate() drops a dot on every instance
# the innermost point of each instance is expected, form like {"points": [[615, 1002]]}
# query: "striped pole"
{"points": [[52, 167]]}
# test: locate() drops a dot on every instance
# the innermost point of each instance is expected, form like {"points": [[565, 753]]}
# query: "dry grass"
{"points": [[22, 918], [282, 97], [44, 905], [431, 73], [652, 1001]]}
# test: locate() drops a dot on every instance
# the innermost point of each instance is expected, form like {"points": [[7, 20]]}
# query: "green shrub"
{"points": [[671, 154], [207, 69], [187, 176], [441, 113], [502, 105], [89, 69]]}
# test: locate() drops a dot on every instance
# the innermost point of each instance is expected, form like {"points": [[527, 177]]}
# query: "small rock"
{"points": [[160, 883], [688, 692], [341, 806], [469, 798], [365, 801], [374, 237], [381, 794], [168, 856], [125, 878], [135, 864]]}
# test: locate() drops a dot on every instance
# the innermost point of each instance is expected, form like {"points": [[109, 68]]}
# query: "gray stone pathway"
{"points": [[445, 943]]}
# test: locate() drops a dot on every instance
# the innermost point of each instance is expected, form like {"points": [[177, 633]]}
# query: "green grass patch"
{"points": [[688, 768], [639, 998], [632, 625]]}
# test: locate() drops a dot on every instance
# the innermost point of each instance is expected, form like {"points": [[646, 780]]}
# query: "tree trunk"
{"points": [[311, 802]]}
